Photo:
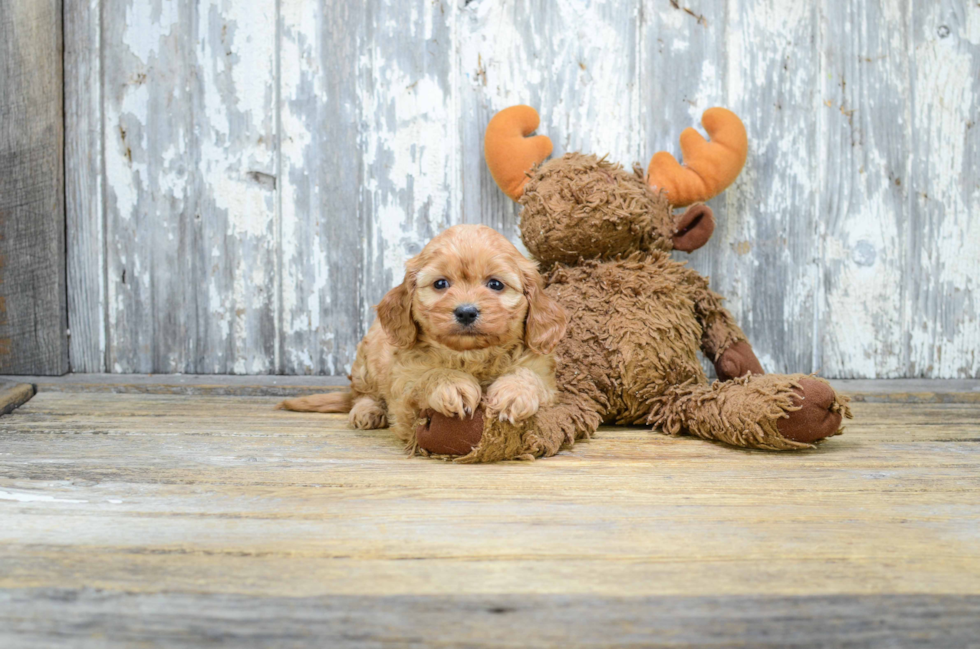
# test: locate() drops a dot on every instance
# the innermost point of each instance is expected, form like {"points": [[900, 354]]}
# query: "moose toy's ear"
{"points": [[693, 228]]}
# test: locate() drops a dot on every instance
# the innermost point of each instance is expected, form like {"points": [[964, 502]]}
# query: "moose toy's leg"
{"points": [[771, 411], [485, 438], [746, 407], [722, 341]]}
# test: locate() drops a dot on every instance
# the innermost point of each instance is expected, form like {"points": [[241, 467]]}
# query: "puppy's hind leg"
{"points": [[367, 413]]}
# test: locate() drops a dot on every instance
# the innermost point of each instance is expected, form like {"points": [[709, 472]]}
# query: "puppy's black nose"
{"points": [[466, 314]]}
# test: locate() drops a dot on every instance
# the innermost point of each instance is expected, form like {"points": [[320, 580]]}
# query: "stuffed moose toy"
{"points": [[637, 318]]}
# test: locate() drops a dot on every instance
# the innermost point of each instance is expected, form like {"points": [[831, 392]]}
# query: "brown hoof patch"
{"points": [[737, 361], [814, 420], [449, 435]]}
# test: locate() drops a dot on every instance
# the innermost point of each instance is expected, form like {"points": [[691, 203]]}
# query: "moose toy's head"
{"points": [[580, 206]]}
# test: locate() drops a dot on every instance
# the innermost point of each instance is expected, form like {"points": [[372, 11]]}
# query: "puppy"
{"points": [[470, 322]]}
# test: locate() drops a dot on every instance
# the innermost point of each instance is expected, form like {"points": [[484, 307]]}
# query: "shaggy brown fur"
{"points": [[637, 320], [420, 356], [580, 206]]}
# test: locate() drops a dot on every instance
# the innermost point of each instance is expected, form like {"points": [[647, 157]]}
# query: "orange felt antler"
{"points": [[709, 167], [509, 152]]}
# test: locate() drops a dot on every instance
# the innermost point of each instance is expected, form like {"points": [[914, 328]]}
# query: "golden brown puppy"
{"points": [[469, 322]]}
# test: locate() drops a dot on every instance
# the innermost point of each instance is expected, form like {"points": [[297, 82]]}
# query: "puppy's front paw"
{"points": [[367, 414], [513, 400], [455, 399]]}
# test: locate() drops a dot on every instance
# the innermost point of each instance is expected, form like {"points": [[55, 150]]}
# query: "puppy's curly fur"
{"points": [[419, 355]]}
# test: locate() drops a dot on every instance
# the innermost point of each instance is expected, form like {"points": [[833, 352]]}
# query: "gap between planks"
{"points": [[860, 390]]}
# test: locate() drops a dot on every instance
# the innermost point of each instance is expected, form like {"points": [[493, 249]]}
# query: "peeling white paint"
{"points": [[864, 208], [944, 317], [189, 122], [143, 18], [405, 163], [222, 154], [582, 88]]}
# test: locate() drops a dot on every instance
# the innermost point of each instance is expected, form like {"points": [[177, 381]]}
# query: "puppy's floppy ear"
{"points": [[546, 320], [395, 313]]}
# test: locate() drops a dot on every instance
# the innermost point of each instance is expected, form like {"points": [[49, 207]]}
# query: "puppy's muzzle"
{"points": [[466, 314]]}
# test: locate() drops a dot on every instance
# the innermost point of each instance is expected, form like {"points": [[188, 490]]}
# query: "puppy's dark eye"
{"points": [[440, 284], [495, 285]]}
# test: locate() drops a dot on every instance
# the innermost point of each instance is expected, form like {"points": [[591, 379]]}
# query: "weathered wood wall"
{"points": [[247, 178], [33, 313]]}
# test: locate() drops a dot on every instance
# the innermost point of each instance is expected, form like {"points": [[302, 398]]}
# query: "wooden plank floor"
{"points": [[183, 520]]}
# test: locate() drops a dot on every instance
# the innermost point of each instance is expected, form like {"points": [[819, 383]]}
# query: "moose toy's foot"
{"points": [[819, 416], [442, 435], [777, 412]]}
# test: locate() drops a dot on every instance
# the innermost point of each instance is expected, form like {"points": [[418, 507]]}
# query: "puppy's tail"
{"points": [[327, 402]]}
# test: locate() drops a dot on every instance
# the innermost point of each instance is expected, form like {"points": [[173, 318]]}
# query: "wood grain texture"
{"points": [[84, 179], [845, 247], [865, 131], [873, 390], [33, 311], [190, 148], [321, 218], [190, 384], [943, 322], [13, 395], [41, 617], [771, 79], [201, 512]]}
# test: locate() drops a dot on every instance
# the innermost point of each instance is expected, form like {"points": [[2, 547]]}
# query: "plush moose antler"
{"points": [[509, 152], [709, 167]]}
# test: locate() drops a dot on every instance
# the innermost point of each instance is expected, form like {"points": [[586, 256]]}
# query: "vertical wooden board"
{"points": [[320, 175], [771, 271], [237, 198], [407, 138], [943, 264], [189, 151], [147, 103], [33, 310], [682, 74], [83, 186], [862, 187], [576, 63]]}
